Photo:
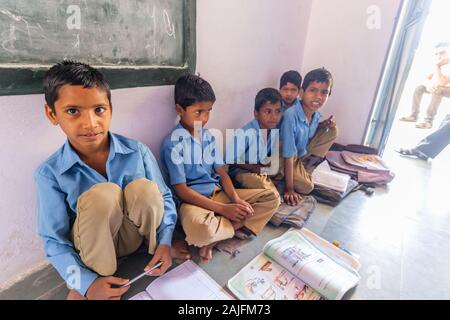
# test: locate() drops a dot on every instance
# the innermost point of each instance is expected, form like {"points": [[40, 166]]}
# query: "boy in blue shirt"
{"points": [[210, 208], [290, 86], [255, 151], [303, 138], [101, 194]]}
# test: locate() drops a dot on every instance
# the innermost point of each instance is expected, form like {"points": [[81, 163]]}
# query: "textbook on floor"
{"points": [[299, 265]]}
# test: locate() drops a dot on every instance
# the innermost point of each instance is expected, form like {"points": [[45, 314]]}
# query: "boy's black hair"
{"points": [[72, 73], [293, 77], [270, 95], [318, 75], [190, 89]]}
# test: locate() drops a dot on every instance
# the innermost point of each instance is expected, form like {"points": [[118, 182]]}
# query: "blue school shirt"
{"points": [[296, 131], [284, 108], [64, 177], [254, 150], [188, 160]]}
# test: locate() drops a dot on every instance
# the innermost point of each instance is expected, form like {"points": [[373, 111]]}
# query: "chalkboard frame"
{"points": [[16, 80]]}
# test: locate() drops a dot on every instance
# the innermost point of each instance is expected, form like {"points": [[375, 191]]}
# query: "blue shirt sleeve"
{"points": [[172, 155], [287, 136], [167, 226], [54, 228], [218, 158]]}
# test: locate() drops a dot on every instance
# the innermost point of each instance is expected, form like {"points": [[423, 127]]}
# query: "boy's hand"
{"points": [[236, 211], [101, 289], [245, 203], [162, 253], [292, 198], [329, 123]]}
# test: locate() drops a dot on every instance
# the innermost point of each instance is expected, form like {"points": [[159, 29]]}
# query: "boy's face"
{"points": [[198, 111], [289, 92], [84, 115], [315, 96], [269, 115]]}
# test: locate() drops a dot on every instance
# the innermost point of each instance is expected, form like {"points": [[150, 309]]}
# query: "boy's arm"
{"points": [[191, 196], [54, 228], [288, 151], [230, 191], [290, 196], [234, 212], [169, 219], [167, 226]]}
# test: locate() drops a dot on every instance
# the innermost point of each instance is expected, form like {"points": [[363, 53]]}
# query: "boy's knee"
{"points": [[202, 236], [103, 199], [308, 188], [304, 187], [146, 193]]}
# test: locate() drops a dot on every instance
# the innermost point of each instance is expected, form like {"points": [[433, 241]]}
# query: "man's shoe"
{"points": [[413, 153], [411, 118], [424, 125]]}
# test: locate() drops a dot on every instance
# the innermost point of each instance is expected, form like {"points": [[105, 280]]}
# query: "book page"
{"points": [[264, 279], [325, 177], [295, 253], [186, 282], [329, 249]]}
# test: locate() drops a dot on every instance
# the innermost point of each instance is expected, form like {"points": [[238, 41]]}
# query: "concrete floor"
{"points": [[402, 234]]}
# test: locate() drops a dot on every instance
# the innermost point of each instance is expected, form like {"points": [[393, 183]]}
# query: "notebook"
{"points": [[185, 282], [325, 177]]}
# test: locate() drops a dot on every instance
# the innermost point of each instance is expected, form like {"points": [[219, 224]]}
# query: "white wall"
{"points": [[338, 39], [243, 46]]}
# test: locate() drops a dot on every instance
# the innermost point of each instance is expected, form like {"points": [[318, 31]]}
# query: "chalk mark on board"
{"points": [[170, 27], [18, 19]]}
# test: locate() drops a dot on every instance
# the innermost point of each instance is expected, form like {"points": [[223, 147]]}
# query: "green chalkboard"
{"points": [[133, 42]]}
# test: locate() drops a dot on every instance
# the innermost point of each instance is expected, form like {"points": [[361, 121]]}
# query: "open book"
{"points": [[185, 282], [299, 265], [325, 177]]}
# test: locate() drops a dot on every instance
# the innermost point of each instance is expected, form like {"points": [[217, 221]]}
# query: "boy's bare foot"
{"points": [[180, 250], [75, 295], [205, 253]]}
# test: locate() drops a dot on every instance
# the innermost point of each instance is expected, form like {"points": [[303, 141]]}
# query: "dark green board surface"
{"points": [[133, 42]]}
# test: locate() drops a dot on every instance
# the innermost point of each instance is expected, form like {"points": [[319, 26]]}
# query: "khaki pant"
{"points": [[203, 226], [113, 223], [319, 145], [436, 98], [249, 180]]}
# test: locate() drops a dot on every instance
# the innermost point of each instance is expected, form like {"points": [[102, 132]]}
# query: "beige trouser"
{"points": [[249, 180], [318, 146], [203, 226], [113, 223]]}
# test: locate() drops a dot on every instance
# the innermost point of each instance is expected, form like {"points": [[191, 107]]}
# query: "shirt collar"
{"points": [[255, 124], [187, 136], [302, 116], [70, 157], [284, 107]]}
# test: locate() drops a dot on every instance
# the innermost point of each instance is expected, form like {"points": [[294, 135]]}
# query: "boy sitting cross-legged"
{"points": [[304, 139], [255, 151], [210, 208]]}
